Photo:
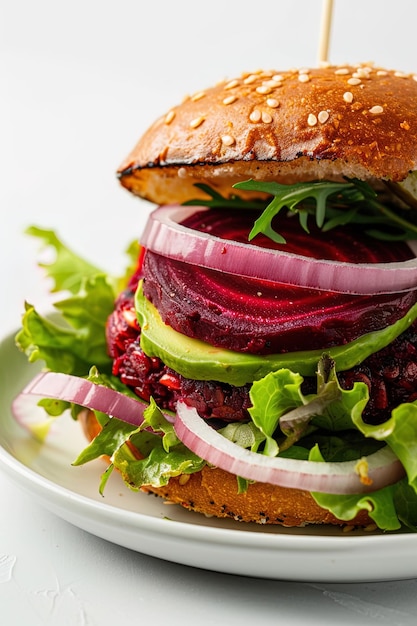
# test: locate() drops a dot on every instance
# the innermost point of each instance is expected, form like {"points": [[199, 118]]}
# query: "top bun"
{"points": [[324, 123]]}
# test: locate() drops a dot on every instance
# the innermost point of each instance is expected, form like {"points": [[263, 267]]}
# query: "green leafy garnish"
{"points": [[75, 340], [217, 201], [331, 204], [379, 504], [284, 415], [292, 198]]}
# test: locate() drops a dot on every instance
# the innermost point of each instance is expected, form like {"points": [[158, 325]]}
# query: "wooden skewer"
{"points": [[326, 22]]}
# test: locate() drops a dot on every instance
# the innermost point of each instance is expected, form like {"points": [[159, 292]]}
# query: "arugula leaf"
{"points": [[219, 201], [332, 204], [351, 201], [292, 197]]}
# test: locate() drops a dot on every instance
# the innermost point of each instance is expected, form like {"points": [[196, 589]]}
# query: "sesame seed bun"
{"points": [[214, 492], [325, 123]]}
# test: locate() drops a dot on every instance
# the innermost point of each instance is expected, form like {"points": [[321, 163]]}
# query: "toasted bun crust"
{"points": [[325, 123], [214, 492]]}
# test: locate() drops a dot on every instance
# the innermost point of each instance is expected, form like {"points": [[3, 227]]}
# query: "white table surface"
{"points": [[79, 83]]}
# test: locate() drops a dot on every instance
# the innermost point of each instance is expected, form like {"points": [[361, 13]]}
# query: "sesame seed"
{"points": [[376, 109], [341, 71], [278, 78], [272, 103], [198, 96], [303, 78], [312, 120], [250, 79], [303, 70], [232, 84], [182, 172], [255, 116], [323, 116], [361, 72], [264, 89], [272, 83], [196, 122], [228, 140], [381, 73], [230, 100], [266, 117], [348, 96], [169, 117], [400, 75], [354, 81], [415, 77]]}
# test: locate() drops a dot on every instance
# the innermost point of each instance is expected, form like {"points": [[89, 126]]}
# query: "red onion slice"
{"points": [[164, 234], [69, 388], [383, 467]]}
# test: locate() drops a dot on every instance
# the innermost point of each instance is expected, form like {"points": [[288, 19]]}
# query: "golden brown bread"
{"points": [[214, 492], [356, 121]]}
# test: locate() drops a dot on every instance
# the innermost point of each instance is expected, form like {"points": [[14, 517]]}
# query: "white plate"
{"points": [[145, 524]]}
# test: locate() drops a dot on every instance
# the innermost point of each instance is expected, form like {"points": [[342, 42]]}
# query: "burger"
{"points": [[258, 361]]}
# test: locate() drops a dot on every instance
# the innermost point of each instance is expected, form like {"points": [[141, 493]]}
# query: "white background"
{"points": [[79, 82]]}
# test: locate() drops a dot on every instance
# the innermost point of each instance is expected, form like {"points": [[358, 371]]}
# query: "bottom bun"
{"points": [[213, 492]]}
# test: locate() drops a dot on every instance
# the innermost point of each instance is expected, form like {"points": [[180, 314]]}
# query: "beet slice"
{"points": [[390, 374], [248, 315]]}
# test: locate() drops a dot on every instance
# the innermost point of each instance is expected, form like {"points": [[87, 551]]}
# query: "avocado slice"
{"points": [[198, 360]]}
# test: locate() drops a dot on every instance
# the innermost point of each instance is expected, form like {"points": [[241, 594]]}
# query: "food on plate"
{"points": [[258, 360]]}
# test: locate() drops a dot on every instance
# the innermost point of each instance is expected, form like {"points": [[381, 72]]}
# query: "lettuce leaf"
{"points": [[75, 340], [271, 397], [157, 465], [283, 414], [70, 344], [400, 433], [378, 504]]}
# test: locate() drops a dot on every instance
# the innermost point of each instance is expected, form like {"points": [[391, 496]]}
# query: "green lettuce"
{"points": [[75, 339]]}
